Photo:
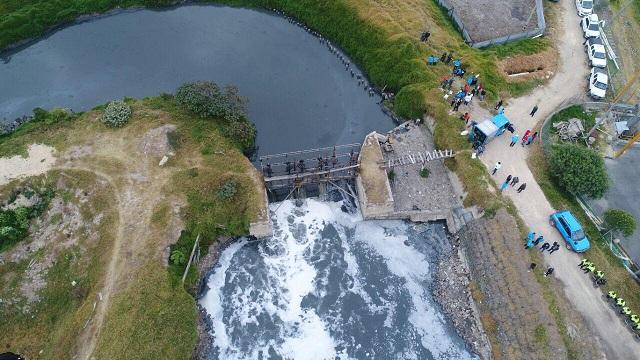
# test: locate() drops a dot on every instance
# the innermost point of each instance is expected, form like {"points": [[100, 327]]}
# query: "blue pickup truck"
{"points": [[571, 230]]}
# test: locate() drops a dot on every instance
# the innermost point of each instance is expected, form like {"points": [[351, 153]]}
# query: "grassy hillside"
{"points": [[128, 212]]}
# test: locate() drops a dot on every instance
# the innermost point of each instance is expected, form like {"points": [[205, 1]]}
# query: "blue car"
{"points": [[571, 230]]}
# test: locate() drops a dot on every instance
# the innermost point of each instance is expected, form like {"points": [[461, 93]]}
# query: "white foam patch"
{"points": [[212, 301], [411, 265]]}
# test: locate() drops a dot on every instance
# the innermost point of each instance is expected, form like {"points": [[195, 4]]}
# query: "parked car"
{"points": [[593, 41], [585, 7], [571, 230], [590, 26], [597, 55], [598, 83]]}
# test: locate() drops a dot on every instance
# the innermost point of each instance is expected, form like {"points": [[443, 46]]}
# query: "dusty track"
{"points": [[568, 84]]}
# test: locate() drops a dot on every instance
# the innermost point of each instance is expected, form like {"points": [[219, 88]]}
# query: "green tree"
{"points": [[620, 221], [579, 170]]}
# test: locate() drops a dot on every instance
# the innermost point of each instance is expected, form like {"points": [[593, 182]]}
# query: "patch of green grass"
{"points": [[520, 47], [540, 335], [154, 318]]}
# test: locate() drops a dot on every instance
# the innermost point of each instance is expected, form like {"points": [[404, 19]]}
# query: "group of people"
{"points": [[619, 303], [590, 268], [527, 139], [540, 239], [509, 181]]}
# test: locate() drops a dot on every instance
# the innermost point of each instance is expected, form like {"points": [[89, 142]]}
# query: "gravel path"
{"points": [[568, 84]]}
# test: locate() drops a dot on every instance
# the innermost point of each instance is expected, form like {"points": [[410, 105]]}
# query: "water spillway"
{"points": [[328, 285]]}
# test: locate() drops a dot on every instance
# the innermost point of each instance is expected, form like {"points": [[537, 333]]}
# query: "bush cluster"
{"points": [[228, 190], [579, 170], [206, 99], [14, 223], [116, 114], [243, 132]]}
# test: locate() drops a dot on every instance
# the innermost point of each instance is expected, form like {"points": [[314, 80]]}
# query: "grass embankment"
{"points": [[150, 314]]}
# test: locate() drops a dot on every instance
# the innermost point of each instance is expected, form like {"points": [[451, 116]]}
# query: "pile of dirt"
{"points": [[525, 67]]}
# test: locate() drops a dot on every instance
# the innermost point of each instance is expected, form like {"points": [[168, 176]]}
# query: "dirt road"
{"points": [[568, 83]]}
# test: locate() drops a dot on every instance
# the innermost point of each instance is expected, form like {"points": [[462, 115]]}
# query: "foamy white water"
{"points": [[327, 286]]}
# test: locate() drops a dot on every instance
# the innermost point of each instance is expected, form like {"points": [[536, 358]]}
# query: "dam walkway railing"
{"points": [[310, 167]]}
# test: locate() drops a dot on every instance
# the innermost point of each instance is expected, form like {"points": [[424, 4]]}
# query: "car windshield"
{"points": [[600, 85], [599, 55], [593, 27], [587, 5], [577, 235]]}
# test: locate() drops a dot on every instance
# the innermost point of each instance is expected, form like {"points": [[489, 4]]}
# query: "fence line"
{"points": [[499, 40]]}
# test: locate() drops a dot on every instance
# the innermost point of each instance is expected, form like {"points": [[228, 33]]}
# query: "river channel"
{"points": [[327, 285], [300, 94]]}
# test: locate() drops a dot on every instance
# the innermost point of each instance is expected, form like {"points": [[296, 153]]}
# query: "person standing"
{"points": [[548, 272], [522, 187], [514, 140], [545, 246], [504, 185], [468, 98], [508, 178], [534, 110], [532, 138], [555, 247], [514, 181], [525, 137], [532, 267], [499, 104], [496, 168]]}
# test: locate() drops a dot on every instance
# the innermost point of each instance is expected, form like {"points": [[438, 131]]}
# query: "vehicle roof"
{"points": [[598, 47], [595, 40], [487, 127], [593, 17], [570, 219], [500, 120]]}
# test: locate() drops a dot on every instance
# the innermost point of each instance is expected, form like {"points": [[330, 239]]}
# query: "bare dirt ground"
{"points": [[373, 176], [490, 19], [568, 84], [40, 158], [524, 67]]}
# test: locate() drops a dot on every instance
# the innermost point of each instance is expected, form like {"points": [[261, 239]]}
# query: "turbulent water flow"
{"points": [[328, 285]]}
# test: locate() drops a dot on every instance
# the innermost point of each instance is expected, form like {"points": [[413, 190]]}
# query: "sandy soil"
{"points": [[569, 84], [40, 159], [373, 176]]}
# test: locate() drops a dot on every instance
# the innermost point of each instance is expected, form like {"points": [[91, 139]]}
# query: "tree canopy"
{"points": [[621, 221], [579, 170]]}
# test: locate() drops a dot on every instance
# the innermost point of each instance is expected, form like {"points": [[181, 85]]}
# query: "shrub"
{"points": [[228, 190], [205, 99], [424, 172], [53, 116], [391, 175], [579, 170], [621, 221], [178, 257], [116, 114], [243, 132]]}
